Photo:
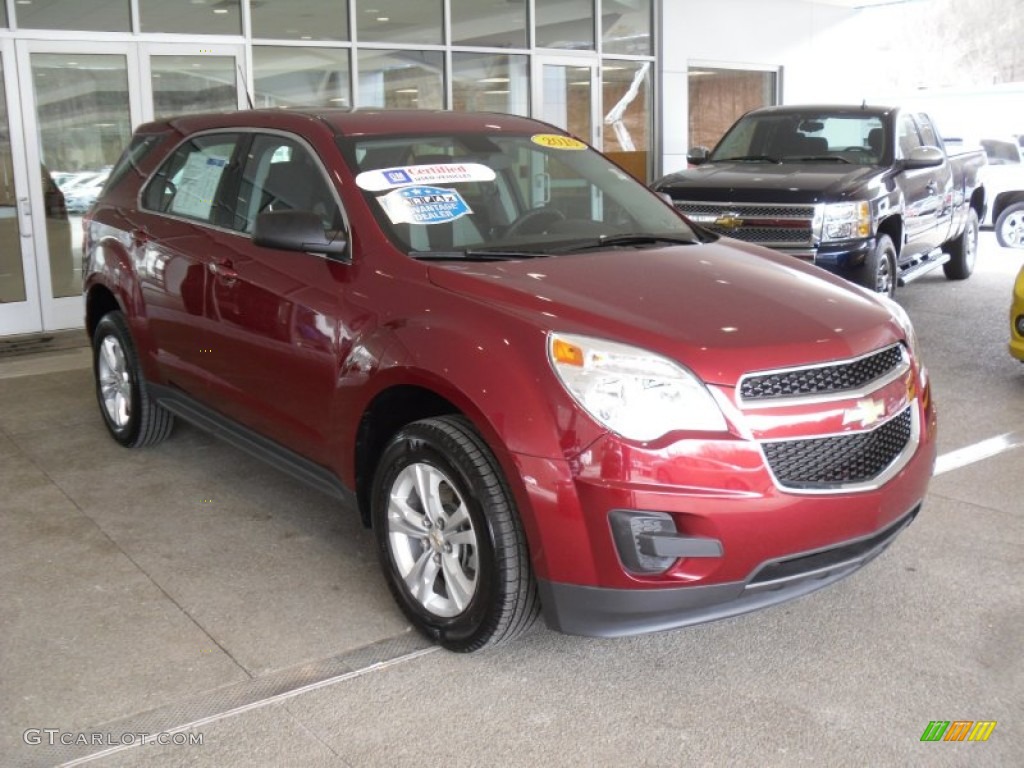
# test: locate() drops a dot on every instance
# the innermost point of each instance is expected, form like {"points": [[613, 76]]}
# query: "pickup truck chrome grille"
{"points": [[833, 378], [840, 461], [777, 226]]}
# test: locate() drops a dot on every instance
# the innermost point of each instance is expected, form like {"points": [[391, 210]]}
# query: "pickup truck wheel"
{"points": [[963, 251], [1010, 226], [448, 536], [879, 271], [132, 417]]}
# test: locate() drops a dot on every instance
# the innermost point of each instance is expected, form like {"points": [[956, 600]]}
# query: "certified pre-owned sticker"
{"points": [[440, 173], [423, 205], [555, 141]]}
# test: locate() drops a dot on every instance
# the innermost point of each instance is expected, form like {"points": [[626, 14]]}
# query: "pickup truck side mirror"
{"points": [[924, 157], [698, 155], [296, 231]]}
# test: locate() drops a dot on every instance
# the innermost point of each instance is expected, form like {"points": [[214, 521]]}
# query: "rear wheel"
{"points": [[131, 415], [963, 250], [1010, 226], [879, 271], [448, 536]]}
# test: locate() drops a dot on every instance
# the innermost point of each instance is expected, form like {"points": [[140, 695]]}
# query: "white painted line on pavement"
{"points": [[971, 454]]}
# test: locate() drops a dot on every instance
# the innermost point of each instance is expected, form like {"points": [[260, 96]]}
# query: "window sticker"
{"points": [[555, 141], [423, 205], [197, 183], [403, 176]]}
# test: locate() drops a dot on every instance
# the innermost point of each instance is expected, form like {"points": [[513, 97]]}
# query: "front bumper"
{"points": [[845, 259], [602, 612]]}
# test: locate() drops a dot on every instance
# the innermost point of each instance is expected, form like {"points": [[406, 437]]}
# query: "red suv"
{"points": [[542, 387]]}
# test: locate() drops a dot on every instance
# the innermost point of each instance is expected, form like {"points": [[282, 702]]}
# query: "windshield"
{"points": [[807, 137], [505, 195]]}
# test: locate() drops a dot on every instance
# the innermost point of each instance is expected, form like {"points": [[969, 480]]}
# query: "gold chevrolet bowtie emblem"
{"points": [[867, 412], [728, 221]]}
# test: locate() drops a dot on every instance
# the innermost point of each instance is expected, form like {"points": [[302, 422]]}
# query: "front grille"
{"points": [[786, 226], [840, 460], [832, 378], [765, 235], [762, 211]]}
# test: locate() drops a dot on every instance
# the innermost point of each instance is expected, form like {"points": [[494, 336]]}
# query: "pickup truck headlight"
{"points": [[846, 221], [635, 393]]}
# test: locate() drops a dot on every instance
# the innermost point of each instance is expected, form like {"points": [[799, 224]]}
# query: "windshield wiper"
{"points": [[475, 255], [634, 239], [747, 159], [819, 159]]}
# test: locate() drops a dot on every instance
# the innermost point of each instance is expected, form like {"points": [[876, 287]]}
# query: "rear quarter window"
{"points": [[138, 149]]}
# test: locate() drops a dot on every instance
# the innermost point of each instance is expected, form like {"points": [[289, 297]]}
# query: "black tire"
{"points": [[879, 271], [963, 250], [476, 540], [1010, 226], [131, 415]]}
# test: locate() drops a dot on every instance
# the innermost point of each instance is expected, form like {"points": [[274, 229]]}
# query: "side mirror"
{"points": [[698, 155], [924, 157], [296, 231]]}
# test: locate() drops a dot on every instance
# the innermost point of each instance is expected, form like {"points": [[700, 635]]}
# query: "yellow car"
{"points": [[1017, 318]]}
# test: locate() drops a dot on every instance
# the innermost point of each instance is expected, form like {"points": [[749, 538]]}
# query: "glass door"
{"points": [[565, 94], [19, 295], [181, 79], [80, 105]]}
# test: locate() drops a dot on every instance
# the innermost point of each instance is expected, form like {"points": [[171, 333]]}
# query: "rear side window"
{"points": [[137, 149], [190, 182]]}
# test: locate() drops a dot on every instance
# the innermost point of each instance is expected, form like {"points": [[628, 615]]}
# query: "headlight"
{"points": [[636, 393], [900, 315], [846, 221]]}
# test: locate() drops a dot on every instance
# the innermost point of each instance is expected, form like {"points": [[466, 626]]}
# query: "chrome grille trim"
{"points": [[755, 210], [778, 225], [896, 351]]}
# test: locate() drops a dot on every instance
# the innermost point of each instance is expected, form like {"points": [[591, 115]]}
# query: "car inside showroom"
{"points": [[511, 382]]}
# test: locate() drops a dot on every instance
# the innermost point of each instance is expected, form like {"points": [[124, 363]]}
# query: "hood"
{"points": [[722, 309], [787, 182]]}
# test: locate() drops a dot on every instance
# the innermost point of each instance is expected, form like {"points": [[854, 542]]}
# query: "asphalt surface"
{"points": [[189, 587]]}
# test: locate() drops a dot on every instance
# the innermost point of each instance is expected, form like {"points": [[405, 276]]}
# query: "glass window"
{"points": [[401, 79], [12, 275], [84, 123], [3, 15], [490, 82], [196, 17], [907, 138], [626, 27], [300, 19], [626, 90], [188, 183], [718, 97], [184, 84], [501, 191], [294, 76], [400, 21], [924, 125], [494, 25], [565, 24], [281, 175], [98, 15]]}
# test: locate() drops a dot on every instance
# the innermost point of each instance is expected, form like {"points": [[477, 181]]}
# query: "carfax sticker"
{"points": [[423, 205], [442, 173], [554, 141]]}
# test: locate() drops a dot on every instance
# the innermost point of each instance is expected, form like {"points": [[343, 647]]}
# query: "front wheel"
{"points": [[963, 250], [1010, 226], [448, 536], [879, 270], [132, 417]]}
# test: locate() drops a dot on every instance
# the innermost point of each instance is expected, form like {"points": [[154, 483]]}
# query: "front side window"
{"points": [[190, 182], [280, 174], [463, 195]]}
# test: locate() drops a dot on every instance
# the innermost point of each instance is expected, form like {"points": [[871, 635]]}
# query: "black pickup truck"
{"points": [[870, 193]]}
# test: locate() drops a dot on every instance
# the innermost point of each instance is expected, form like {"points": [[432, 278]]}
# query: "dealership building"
{"points": [[639, 79]]}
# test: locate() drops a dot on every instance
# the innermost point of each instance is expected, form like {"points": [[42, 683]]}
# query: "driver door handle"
{"points": [[224, 270]]}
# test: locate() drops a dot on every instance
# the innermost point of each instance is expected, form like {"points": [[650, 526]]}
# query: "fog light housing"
{"points": [[1019, 325], [627, 527]]}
